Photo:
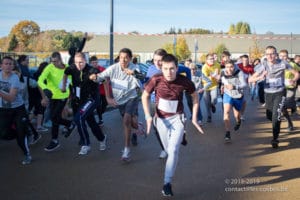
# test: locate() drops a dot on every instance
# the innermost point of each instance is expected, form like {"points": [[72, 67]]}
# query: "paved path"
{"points": [[208, 169]]}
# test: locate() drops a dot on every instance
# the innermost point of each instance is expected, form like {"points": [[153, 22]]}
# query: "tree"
{"points": [[182, 50], [245, 29], [24, 31], [231, 30], [13, 43], [239, 28], [219, 50], [256, 51]]}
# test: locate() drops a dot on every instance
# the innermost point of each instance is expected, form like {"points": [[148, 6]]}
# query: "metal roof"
{"points": [[236, 44]]}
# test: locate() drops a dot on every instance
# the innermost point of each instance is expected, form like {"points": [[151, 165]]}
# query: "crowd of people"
{"points": [[88, 88]]}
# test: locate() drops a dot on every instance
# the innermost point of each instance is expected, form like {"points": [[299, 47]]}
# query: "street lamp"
{"points": [[111, 35]]}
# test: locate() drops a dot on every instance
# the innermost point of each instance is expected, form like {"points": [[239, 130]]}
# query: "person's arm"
{"points": [[146, 108], [45, 92], [195, 111], [83, 42], [64, 83], [11, 96], [296, 76]]}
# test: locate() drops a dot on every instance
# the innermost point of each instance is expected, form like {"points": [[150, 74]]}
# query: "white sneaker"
{"points": [[243, 118], [126, 155], [163, 154], [84, 150], [102, 145]]}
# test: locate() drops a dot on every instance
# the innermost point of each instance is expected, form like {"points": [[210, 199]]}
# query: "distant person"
{"points": [[212, 71], [73, 50], [85, 99], [169, 116], [12, 107], [53, 96], [103, 103], [248, 70], [272, 71], [197, 79], [124, 95], [234, 83]]}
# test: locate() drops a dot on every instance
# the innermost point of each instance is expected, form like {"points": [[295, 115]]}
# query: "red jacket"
{"points": [[101, 87], [249, 69]]}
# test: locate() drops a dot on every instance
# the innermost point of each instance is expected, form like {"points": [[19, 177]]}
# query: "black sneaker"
{"points": [[227, 137], [52, 146], [167, 190], [134, 139], [275, 144], [209, 120], [237, 126], [70, 129], [100, 123], [213, 108]]}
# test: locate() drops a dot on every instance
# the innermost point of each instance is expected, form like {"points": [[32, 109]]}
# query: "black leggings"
{"points": [[272, 104], [56, 108], [15, 117]]}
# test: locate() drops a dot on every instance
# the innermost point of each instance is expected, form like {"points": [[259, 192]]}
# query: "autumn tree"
{"points": [[182, 51], [23, 32], [239, 28], [255, 51]]}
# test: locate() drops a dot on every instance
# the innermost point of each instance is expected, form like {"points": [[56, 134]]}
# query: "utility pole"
{"points": [[111, 35]]}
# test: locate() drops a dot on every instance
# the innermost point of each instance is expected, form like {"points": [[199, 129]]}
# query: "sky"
{"points": [[152, 16]]}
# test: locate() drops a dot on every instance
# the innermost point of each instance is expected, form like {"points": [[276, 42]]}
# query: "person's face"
{"points": [[210, 60], [7, 65], [229, 68], [283, 56], [270, 55], [79, 62], [157, 61], [56, 62], [245, 61], [225, 58], [297, 60], [193, 70], [25, 62], [124, 60], [169, 70], [94, 63]]}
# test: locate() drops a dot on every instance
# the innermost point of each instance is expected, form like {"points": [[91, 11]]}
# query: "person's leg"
{"points": [[200, 116], [207, 101], [277, 100], [21, 121], [174, 135]]}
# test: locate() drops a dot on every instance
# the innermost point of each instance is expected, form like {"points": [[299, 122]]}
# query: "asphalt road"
{"points": [[208, 169]]}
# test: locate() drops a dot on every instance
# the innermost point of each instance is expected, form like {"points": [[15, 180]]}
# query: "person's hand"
{"points": [[201, 90], [197, 126], [111, 102], [93, 77], [45, 102]]}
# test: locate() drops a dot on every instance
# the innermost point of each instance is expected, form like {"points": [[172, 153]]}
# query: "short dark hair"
{"points": [[93, 58], [170, 58], [22, 58], [127, 51], [160, 52]]}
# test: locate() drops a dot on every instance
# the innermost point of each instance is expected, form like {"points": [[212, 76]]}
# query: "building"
{"points": [[144, 45]]}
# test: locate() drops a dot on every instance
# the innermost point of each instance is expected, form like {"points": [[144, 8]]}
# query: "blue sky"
{"points": [[153, 16]]}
